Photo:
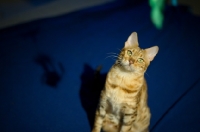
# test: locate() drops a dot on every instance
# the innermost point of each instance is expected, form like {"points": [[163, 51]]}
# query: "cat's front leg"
{"points": [[99, 117], [100, 114], [129, 117]]}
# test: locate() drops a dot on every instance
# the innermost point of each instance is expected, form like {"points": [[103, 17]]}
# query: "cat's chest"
{"points": [[122, 88], [116, 102], [118, 97]]}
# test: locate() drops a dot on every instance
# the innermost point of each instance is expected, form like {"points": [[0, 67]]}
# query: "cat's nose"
{"points": [[131, 61]]}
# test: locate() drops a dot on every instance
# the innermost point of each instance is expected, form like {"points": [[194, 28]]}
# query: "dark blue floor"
{"points": [[48, 81]]}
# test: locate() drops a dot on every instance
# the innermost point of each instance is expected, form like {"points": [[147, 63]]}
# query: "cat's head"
{"points": [[134, 59]]}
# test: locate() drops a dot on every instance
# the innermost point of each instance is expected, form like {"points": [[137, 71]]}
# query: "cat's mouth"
{"points": [[128, 67]]}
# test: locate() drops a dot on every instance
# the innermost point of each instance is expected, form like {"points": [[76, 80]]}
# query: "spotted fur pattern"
{"points": [[123, 102]]}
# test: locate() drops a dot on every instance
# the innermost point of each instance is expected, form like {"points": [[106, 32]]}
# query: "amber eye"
{"points": [[129, 52], [140, 60]]}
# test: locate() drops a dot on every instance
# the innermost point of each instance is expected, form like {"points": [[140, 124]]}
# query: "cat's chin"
{"points": [[128, 68], [131, 69]]}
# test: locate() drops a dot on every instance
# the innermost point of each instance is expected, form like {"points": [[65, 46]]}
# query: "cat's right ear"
{"points": [[151, 52], [132, 41]]}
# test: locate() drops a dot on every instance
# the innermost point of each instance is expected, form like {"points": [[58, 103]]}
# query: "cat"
{"points": [[123, 102]]}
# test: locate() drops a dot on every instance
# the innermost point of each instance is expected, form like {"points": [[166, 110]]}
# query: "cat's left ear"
{"points": [[132, 40], [151, 52]]}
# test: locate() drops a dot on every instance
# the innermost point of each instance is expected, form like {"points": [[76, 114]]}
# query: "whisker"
{"points": [[120, 50], [147, 74], [112, 56], [116, 57], [113, 53]]}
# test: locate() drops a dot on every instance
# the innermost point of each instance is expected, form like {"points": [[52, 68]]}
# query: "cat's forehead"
{"points": [[137, 51]]}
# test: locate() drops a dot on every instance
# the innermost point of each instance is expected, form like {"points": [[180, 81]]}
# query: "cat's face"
{"points": [[134, 59]]}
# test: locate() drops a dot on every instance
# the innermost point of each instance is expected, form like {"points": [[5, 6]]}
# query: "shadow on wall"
{"points": [[51, 76], [92, 82]]}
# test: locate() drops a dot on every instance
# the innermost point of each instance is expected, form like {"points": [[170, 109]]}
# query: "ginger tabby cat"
{"points": [[123, 103]]}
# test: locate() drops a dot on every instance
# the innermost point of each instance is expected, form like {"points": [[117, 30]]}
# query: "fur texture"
{"points": [[123, 102]]}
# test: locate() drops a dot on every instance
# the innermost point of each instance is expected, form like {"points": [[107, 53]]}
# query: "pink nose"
{"points": [[131, 61]]}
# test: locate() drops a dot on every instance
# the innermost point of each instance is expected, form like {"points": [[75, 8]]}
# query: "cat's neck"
{"points": [[127, 80], [131, 74]]}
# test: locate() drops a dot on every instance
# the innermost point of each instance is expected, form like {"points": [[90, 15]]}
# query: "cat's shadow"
{"points": [[92, 82]]}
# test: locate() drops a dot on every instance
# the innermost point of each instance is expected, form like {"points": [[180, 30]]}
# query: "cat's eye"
{"points": [[129, 52], [140, 60]]}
